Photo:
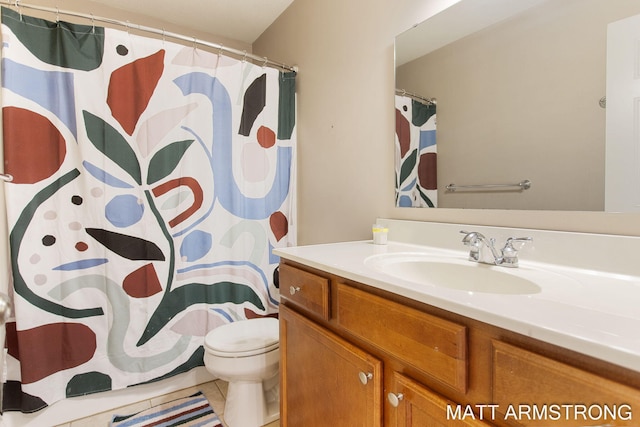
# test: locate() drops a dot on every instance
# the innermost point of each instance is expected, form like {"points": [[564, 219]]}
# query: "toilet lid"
{"points": [[244, 337]]}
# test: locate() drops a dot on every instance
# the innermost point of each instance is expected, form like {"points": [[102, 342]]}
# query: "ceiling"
{"points": [[243, 20], [469, 17]]}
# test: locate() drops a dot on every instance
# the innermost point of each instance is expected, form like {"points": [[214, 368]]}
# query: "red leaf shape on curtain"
{"points": [[131, 87], [266, 137], [428, 171], [279, 225], [402, 131], [250, 314], [33, 147], [50, 348], [194, 186], [142, 283]]}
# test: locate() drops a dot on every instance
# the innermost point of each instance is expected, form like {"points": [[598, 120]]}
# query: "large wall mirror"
{"points": [[536, 97]]}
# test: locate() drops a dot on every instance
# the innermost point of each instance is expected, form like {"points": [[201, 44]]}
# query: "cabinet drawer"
{"points": [[529, 382], [305, 290], [432, 345]]}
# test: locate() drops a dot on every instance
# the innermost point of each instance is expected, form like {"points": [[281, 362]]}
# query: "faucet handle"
{"points": [[471, 239], [520, 240], [510, 253]]}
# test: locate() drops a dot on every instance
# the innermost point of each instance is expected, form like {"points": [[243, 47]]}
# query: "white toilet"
{"points": [[246, 354]]}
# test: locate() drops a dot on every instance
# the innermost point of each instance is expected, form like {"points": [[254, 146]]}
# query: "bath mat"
{"points": [[189, 411]]}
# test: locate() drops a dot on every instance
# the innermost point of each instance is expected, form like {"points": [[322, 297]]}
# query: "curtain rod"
{"points": [[428, 101], [161, 32]]}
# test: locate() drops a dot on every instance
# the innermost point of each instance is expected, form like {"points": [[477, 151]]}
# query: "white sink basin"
{"points": [[453, 273]]}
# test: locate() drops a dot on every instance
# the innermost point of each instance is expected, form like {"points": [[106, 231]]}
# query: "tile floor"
{"points": [[215, 391]]}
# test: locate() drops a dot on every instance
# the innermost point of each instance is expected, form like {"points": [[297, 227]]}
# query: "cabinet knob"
{"points": [[294, 289], [365, 377], [395, 399]]}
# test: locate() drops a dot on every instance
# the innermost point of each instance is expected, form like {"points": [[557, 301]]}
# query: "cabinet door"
{"points": [[413, 405], [533, 390], [325, 381]]}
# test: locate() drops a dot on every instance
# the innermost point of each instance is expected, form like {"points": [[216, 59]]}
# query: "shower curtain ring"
{"points": [[93, 24], [19, 9], [265, 62]]}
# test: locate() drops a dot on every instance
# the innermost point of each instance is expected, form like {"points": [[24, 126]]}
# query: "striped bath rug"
{"points": [[192, 411]]}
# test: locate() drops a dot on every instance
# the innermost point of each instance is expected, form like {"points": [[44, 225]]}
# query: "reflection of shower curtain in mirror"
{"points": [[415, 154], [151, 182]]}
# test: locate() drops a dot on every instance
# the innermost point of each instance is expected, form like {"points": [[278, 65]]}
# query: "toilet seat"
{"points": [[244, 338]]}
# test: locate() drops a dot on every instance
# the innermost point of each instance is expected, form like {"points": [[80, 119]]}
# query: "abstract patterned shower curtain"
{"points": [[151, 183], [415, 154]]}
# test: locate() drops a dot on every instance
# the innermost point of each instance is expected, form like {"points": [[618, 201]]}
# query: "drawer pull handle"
{"points": [[395, 399], [365, 377], [294, 289]]}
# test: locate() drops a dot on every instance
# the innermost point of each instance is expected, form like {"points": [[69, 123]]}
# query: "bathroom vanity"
{"points": [[363, 345]]}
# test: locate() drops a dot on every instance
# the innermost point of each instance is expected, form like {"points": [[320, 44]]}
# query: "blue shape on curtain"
{"points": [[427, 138], [124, 210], [223, 314], [104, 176], [196, 245], [405, 202], [411, 185], [273, 259], [82, 264], [226, 187], [53, 90]]}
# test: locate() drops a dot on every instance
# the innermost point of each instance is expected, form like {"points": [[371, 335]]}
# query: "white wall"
{"points": [[346, 123]]}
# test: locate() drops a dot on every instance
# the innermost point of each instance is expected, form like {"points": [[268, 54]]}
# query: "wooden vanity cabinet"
{"points": [[353, 355]]}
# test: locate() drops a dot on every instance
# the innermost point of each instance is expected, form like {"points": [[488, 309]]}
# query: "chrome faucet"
{"points": [[506, 257]]}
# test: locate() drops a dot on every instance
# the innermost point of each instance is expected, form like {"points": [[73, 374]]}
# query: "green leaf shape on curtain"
{"points": [[166, 160], [408, 166], [112, 144], [17, 236], [421, 112], [88, 382], [196, 359], [79, 47], [287, 105], [426, 198], [197, 293]]}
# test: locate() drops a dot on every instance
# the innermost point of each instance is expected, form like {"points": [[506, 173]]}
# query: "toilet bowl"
{"points": [[246, 354]]}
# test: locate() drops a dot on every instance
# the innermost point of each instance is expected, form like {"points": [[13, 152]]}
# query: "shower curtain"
{"points": [[151, 182], [415, 154]]}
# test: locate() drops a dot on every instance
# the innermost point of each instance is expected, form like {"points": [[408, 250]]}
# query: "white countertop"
{"points": [[591, 312]]}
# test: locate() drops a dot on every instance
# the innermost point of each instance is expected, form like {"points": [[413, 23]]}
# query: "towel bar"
{"points": [[523, 185]]}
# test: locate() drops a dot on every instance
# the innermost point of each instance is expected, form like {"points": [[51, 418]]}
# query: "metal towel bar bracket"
{"points": [[523, 185]]}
